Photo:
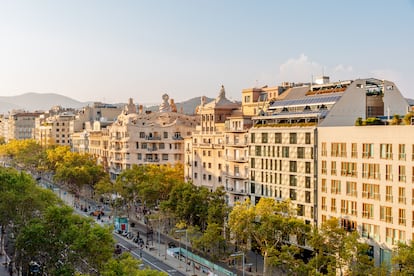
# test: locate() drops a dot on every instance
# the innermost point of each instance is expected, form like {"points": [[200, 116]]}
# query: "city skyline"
{"points": [[110, 51]]}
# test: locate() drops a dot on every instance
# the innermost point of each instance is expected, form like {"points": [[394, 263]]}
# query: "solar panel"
{"points": [[310, 100]]}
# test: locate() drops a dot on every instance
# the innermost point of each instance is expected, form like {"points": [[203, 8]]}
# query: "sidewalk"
{"points": [[181, 265], [3, 265]]}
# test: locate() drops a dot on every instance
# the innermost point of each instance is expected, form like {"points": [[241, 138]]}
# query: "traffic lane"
{"points": [[147, 258]]}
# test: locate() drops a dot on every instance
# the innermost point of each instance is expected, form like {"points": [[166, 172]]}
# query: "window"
{"points": [[401, 195], [209, 165], [333, 167], [139, 156], [338, 149], [307, 167], [292, 166], [367, 210], [401, 152], [278, 138], [293, 139], [209, 177], [292, 194], [323, 184], [195, 175], [301, 210], [344, 207], [386, 151], [354, 153], [333, 205], [165, 135], [323, 149], [367, 150], [323, 205], [285, 152], [307, 182], [308, 197], [165, 156], [195, 163], [401, 216], [307, 138], [401, 174], [252, 138], [264, 138], [335, 186], [354, 208], [349, 169], [143, 145], [386, 214], [370, 171], [142, 135], [301, 152], [323, 167], [388, 194], [292, 180], [351, 188], [370, 191], [388, 172], [258, 150]]}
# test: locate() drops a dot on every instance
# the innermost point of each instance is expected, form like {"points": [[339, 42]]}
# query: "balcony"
{"points": [[151, 160], [237, 144], [236, 175], [152, 149], [240, 159], [152, 137], [232, 190]]}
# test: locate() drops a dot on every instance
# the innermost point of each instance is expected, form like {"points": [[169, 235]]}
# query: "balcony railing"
{"points": [[151, 160], [232, 190]]}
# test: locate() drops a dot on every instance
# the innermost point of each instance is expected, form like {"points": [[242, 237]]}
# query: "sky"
{"points": [[113, 50]]}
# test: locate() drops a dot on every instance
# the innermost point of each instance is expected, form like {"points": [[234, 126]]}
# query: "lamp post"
{"points": [[239, 254], [186, 250]]}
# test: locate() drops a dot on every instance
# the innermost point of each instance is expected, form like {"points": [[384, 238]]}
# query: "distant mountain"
{"points": [[45, 101], [37, 101]]}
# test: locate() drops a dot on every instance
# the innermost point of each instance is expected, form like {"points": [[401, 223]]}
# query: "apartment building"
{"points": [[366, 177], [205, 153], [21, 125], [54, 130], [365, 173], [147, 138]]}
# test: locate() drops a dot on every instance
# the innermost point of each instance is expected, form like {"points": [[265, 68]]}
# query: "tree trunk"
{"points": [[265, 270]]}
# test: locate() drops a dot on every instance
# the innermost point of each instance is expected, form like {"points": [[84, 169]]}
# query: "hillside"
{"points": [[37, 101], [45, 101]]}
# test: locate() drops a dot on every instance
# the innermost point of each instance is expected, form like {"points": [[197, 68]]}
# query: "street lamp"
{"points": [[186, 250], [239, 254]]}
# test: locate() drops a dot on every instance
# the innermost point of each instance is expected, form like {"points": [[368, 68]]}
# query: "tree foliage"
{"points": [[271, 224], [64, 242]]}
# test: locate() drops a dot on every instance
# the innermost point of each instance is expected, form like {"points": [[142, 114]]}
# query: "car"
{"points": [[172, 245], [97, 213]]}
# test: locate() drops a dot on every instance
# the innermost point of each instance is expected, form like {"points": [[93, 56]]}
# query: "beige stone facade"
{"points": [[148, 138], [21, 125], [55, 130], [366, 179]]}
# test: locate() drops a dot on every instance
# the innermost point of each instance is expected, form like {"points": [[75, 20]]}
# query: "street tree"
{"points": [[339, 251], [188, 203], [271, 224], [126, 265], [403, 259], [20, 200], [63, 242], [28, 153]]}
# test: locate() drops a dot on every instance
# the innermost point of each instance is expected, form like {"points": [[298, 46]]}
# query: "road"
{"points": [[147, 258]]}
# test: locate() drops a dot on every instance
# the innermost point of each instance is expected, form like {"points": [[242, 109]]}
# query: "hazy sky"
{"points": [[102, 50]]}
